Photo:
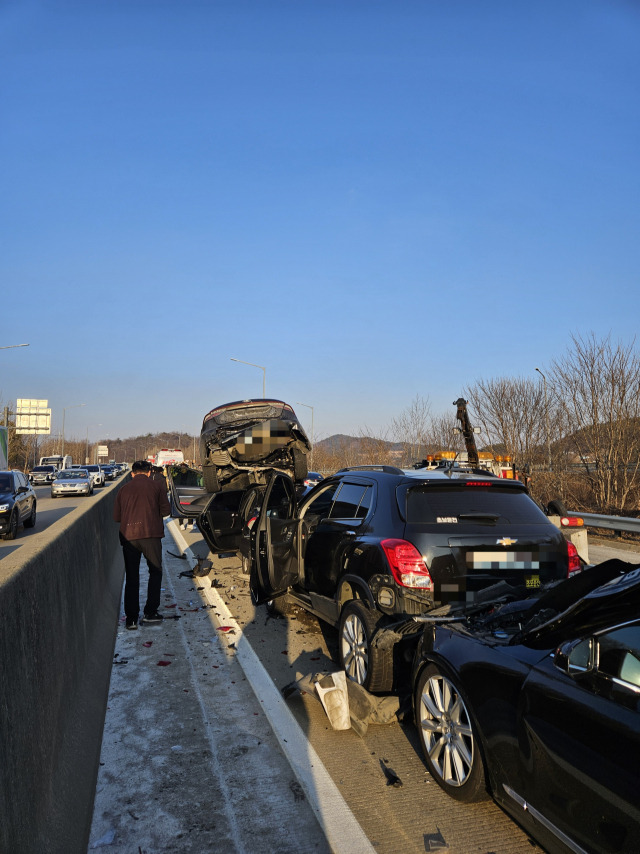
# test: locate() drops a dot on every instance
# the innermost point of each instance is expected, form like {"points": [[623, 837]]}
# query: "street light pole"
{"points": [[86, 455], [64, 413], [300, 403], [546, 418], [264, 373]]}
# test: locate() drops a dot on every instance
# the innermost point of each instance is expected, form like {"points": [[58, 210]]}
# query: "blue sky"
{"points": [[373, 200]]}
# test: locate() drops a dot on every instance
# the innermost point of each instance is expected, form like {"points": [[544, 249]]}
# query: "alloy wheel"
{"points": [[355, 649], [445, 728]]}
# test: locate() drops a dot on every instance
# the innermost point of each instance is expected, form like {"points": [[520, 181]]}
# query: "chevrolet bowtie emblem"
{"points": [[506, 541]]}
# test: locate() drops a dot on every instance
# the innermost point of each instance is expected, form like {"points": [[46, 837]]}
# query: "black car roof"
{"points": [[441, 475]]}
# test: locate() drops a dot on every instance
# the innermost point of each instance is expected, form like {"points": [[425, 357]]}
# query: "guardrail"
{"points": [[610, 523]]}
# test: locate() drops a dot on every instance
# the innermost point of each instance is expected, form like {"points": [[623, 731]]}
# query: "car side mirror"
{"points": [[575, 657]]}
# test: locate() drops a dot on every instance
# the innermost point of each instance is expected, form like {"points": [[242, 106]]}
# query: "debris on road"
{"points": [[390, 774], [364, 708], [107, 839]]}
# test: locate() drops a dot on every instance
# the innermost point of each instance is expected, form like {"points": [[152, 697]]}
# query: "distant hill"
{"points": [[341, 441]]}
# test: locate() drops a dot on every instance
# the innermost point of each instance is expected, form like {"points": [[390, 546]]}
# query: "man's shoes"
{"points": [[132, 623], [184, 526], [152, 618]]}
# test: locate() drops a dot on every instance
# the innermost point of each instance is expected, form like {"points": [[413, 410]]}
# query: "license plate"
{"points": [[488, 560], [532, 581]]}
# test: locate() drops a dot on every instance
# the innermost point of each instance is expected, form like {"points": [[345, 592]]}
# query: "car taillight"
{"points": [[407, 565], [571, 522], [573, 565]]}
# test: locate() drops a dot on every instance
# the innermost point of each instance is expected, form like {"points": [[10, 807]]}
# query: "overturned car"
{"points": [[241, 442]]}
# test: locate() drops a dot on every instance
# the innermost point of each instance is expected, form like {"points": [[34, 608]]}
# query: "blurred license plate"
{"points": [[532, 581], [503, 560]]}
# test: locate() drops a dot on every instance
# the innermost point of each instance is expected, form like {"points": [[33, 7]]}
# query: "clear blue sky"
{"points": [[371, 199]]}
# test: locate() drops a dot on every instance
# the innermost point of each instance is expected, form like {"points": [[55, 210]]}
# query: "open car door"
{"points": [[223, 518], [274, 541], [186, 487]]}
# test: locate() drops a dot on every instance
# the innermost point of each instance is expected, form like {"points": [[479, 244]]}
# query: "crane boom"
{"points": [[467, 431]]}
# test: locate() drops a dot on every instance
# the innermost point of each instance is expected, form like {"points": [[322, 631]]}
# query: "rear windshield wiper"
{"points": [[489, 517]]}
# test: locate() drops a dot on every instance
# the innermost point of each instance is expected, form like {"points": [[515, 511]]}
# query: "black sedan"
{"points": [[538, 702], [17, 503]]}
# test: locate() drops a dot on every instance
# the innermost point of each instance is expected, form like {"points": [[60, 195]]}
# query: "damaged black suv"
{"points": [[242, 442], [372, 546]]}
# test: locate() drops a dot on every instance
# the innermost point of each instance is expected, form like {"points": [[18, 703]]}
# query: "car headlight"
{"points": [[4, 507]]}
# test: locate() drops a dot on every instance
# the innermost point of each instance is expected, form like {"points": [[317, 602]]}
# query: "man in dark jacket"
{"points": [[140, 507]]}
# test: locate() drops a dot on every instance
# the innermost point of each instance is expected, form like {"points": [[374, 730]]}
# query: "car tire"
{"points": [[210, 478], [556, 508], [31, 521], [448, 737], [14, 523], [363, 661], [300, 468]]}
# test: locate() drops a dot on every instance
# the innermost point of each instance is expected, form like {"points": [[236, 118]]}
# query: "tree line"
{"points": [[573, 428]]}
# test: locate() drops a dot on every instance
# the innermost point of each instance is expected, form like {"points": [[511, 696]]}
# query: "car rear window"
{"points": [[459, 504]]}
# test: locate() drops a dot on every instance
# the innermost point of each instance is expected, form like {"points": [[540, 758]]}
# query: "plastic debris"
{"points": [[334, 696], [202, 567], [390, 774], [107, 839], [163, 663], [147, 643], [229, 629], [435, 842], [364, 708]]}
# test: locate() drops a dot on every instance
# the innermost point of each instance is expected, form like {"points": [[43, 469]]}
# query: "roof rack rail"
{"points": [[387, 469]]}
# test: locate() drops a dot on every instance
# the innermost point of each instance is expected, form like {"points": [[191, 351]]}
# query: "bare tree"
{"points": [[597, 384], [440, 436], [412, 427], [376, 448], [511, 413]]}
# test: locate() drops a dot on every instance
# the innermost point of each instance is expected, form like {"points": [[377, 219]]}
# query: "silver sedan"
{"points": [[72, 482]]}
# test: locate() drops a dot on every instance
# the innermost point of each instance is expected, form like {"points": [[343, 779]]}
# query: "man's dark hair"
{"points": [[140, 466]]}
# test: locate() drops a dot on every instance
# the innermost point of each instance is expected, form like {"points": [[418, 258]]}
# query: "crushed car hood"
{"points": [[584, 603]]}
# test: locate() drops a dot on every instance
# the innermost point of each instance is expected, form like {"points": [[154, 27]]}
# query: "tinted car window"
{"points": [[619, 654], [280, 500], [321, 504], [465, 504], [365, 503], [347, 501], [6, 483]]}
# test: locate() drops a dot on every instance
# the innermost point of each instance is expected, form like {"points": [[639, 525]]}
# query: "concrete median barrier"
{"points": [[59, 606]]}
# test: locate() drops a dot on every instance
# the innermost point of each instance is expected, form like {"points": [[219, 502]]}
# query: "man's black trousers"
{"points": [[151, 548]]}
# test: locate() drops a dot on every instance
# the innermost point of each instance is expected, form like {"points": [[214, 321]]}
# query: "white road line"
{"points": [[343, 832]]}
